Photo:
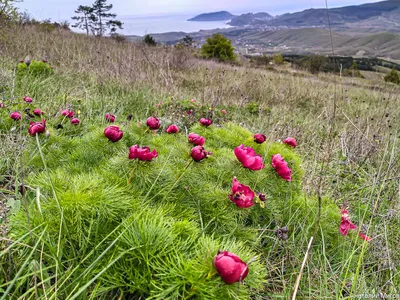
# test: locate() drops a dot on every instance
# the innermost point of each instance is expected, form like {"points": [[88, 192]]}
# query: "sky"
{"points": [[60, 10]]}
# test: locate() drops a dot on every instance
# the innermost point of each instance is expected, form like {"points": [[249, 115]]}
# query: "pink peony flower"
{"points": [[205, 122], [230, 267], [113, 133], [67, 113], [193, 100], [259, 138], [38, 112], [291, 142], [241, 195], [196, 139], [248, 157], [75, 121], [110, 118], [172, 129], [346, 225], [28, 99], [144, 154], [37, 127], [2, 105], [223, 111], [15, 116], [153, 123], [364, 237], [198, 153], [281, 167]]}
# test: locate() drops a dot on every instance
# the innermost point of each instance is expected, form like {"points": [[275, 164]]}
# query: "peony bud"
{"points": [[153, 123], [230, 267], [291, 142], [259, 138], [172, 129], [113, 133], [205, 122]]}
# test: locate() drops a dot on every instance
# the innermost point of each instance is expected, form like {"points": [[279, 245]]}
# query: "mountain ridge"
{"points": [[213, 16]]}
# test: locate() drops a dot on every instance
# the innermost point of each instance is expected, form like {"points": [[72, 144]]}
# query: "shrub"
{"points": [[393, 77], [149, 40], [278, 59], [34, 69], [218, 47]]}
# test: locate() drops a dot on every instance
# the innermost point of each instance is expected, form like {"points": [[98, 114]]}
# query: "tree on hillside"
{"points": [[149, 40], [219, 47], [393, 77], [188, 41], [85, 18], [103, 19], [8, 11]]}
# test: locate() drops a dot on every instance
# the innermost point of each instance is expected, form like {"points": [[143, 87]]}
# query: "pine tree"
{"points": [[188, 41], [85, 18], [149, 40], [103, 19]]}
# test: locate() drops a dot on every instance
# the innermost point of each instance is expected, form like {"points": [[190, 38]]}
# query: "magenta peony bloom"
{"points": [[281, 167], [230, 267], [172, 129], [205, 122], [28, 99], [199, 153], [15, 116], [67, 113], [196, 139], [110, 118], [75, 121], [144, 154], [37, 127], [364, 237], [242, 195], [113, 133], [38, 112], [291, 142], [153, 123], [259, 138], [346, 225], [248, 157]]}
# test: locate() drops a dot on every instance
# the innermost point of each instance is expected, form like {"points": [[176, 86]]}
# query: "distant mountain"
{"points": [[339, 16], [215, 16], [385, 12], [251, 19]]}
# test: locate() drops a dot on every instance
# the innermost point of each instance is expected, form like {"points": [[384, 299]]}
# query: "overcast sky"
{"points": [[59, 10]]}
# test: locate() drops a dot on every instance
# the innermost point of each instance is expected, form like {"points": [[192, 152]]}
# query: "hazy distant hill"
{"points": [[339, 15], [316, 40], [383, 15], [215, 16], [251, 19]]}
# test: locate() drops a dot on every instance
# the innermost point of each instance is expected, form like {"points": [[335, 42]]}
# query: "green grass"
{"points": [[90, 224]]}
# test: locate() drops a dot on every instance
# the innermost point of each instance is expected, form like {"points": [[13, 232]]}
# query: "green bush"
{"points": [[393, 77], [218, 47], [34, 69], [151, 229], [149, 40]]}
